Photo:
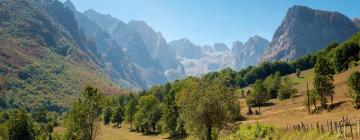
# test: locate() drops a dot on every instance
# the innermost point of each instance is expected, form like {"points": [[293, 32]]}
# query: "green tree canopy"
{"points": [[19, 126], [286, 89], [118, 115], [148, 114], [258, 96], [354, 85], [324, 87], [130, 110], [81, 120], [323, 67], [204, 106], [274, 86], [107, 115]]}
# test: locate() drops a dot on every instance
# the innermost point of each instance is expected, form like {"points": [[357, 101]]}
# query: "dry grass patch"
{"points": [[292, 111]]}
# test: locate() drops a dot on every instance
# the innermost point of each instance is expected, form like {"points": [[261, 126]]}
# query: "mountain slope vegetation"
{"points": [[42, 64]]}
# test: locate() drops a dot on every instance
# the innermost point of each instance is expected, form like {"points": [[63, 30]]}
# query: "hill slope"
{"points": [[290, 112], [42, 63]]}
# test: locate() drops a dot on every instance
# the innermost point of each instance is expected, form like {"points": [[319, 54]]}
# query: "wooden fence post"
{"points": [[351, 133], [358, 128], [331, 128], [344, 130], [308, 97], [317, 126], [307, 127]]}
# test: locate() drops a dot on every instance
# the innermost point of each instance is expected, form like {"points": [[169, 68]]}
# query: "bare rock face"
{"points": [[118, 63], [357, 22], [220, 47], [134, 46], [184, 48], [250, 53], [305, 30]]}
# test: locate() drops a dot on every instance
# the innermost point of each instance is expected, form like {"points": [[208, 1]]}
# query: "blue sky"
{"points": [[210, 21]]}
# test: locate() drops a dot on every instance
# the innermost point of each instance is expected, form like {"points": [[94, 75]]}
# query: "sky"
{"points": [[211, 21]]}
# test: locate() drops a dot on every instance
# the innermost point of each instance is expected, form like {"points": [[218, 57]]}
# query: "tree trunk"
{"points": [[259, 109], [308, 97], [332, 101], [323, 103], [208, 132], [314, 103]]}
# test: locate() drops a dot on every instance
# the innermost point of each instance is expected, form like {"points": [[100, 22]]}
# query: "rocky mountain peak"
{"points": [[249, 53], [357, 22], [305, 30], [184, 48], [104, 21], [220, 47], [70, 5]]}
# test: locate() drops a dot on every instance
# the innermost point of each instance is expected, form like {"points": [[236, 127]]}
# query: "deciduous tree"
{"points": [[81, 120], [204, 106], [107, 115], [130, 110], [286, 89], [148, 114], [118, 115], [258, 95]]}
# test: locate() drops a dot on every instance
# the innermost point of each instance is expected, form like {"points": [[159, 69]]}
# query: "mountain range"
{"points": [[198, 60], [66, 47]]}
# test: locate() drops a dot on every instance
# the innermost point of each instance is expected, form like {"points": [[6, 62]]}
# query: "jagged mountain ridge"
{"points": [[156, 47], [305, 30], [198, 60], [119, 65], [250, 53], [132, 43]]}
